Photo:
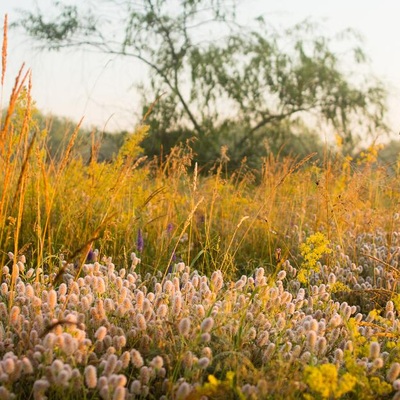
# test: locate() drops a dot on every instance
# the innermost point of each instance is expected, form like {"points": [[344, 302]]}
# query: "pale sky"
{"points": [[99, 87]]}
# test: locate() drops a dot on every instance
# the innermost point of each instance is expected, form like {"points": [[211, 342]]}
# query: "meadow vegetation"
{"points": [[139, 278]]}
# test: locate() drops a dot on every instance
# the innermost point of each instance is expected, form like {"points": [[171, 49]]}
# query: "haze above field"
{"points": [[100, 87]]}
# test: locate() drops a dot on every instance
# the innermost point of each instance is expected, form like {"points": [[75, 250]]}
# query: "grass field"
{"points": [[148, 279]]}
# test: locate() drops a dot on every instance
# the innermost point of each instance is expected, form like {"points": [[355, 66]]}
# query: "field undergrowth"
{"points": [[153, 279]]}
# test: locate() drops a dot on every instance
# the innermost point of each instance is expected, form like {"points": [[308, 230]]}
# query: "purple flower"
{"points": [[139, 241], [91, 256], [170, 228]]}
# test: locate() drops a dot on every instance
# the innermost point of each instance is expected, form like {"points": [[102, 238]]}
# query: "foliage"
{"points": [[249, 85]]}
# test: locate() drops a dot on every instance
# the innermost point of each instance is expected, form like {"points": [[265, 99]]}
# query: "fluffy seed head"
{"points": [[14, 314], [378, 363], [205, 337], [111, 364], [311, 340], [394, 372], [281, 275], [207, 324], [91, 376], [184, 326], [162, 311], [204, 362], [52, 300], [144, 375], [119, 393], [157, 362], [9, 365], [374, 350], [183, 391], [136, 358], [321, 345], [40, 386], [136, 387], [177, 304]]}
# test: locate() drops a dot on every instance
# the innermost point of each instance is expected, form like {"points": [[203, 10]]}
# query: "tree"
{"points": [[237, 89]]}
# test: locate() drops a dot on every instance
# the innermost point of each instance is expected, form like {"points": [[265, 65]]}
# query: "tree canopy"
{"points": [[219, 82]]}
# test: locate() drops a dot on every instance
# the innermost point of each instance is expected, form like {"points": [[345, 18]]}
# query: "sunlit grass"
{"points": [[145, 279]]}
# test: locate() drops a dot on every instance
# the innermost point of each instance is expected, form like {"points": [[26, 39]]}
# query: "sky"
{"points": [[101, 89]]}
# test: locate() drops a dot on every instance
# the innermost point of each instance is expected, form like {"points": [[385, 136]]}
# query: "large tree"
{"points": [[216, 80]]}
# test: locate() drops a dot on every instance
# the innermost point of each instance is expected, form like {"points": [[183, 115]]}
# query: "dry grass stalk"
{"points": [[4, 50]]}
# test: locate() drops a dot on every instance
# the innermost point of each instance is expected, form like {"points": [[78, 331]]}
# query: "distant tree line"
{"points": [[253, 89]]}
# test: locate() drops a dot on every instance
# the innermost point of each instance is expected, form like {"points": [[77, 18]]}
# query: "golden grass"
{"points": [[195, 324]]}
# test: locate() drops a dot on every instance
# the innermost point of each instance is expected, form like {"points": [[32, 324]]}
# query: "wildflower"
{"points": [[204, 362], [64, 377], [139, 299], [100, 286], [207, 324], [312, 250], [141, 322], [104, 392], [62, 290], [378, 363], [240, 284], [394, 372], [136, 359], [9, 366], [332, 278], [30, 273], [389, 306], [176, 304], [338, 355], [91, 256], [170, 228], [183, 391], [39, 388], [119, 393], [281, 275], [125, 359], [321, 345], [135, 261], [52, 300], [324, 380], [184, 326], [140, 241], [269, 351], [374, 350], [136, 387], [27, 365], [119, 342], [200, 311], [207, 352], [349, 346], [263, 338], [110, 365], [280, 324], [311, 340], [157, 362], [335, 321], [144, 375], [14, 315], [205, 337]]}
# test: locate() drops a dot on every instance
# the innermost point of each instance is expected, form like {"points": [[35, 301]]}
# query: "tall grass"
{"points": [[236, 222], [77, 304]]}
